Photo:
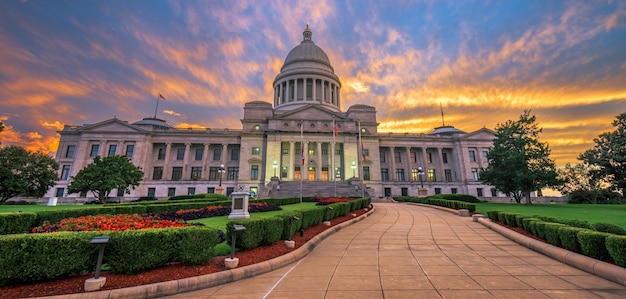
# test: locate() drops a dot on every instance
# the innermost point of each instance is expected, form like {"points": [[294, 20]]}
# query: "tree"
{"points": [[518, 162], [577, 179], [25, 173], [609, 156], [104, 175], [1, 126]]}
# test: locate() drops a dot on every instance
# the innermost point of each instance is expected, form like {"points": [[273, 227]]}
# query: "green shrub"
{"points": [[502, 217], [540, 231], [16, 223], [133, 251], [616, 245], [222, 249], [576, 223], [569, 238], [593, 244], [312, 217], [272, 230], [527, 224], [551, 232], [295, 225], [36, 257], [519, 220], [609, 228], [195, 244], [493, 215], [510, 219], [251, 237]]}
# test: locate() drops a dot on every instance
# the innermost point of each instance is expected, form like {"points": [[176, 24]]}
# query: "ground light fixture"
{"points": [[233, 262], [326, 215], [290, 243], [97, 282]]}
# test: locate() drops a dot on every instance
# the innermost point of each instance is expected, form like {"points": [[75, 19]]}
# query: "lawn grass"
{"points": [[615, 214], [38, 208], [220, 222]]}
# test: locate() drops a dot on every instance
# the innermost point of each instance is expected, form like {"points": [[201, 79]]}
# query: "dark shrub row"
{"points": [[434, 200], [574, 235], [270, 230], [35, 257]]}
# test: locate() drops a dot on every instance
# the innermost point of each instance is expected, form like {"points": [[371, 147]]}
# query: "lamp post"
{"points": [[221, 170], [420, 172], [275, 165], [353, 168]]}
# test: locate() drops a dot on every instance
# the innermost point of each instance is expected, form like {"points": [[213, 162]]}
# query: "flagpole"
{"points": [[302, 156], [361, 162], [333, 155], [157, 106]]}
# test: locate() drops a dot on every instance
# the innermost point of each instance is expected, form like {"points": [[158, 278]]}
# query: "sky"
{"points": [[481, 62]]}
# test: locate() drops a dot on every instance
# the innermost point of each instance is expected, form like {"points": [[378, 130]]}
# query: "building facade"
{"points": [[303, 135]]}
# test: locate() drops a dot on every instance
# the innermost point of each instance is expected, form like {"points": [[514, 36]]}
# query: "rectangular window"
{"points": [[151, 192], [338, 151], [365, 152], [338, 172], [120, 192], [210, 190], [65, 172], [70, 151], [415, 174], [214, 174], [475, 174], [229, 190], [254, 172], [494, 192], [384, 174], [309, 89], [430, 158], [366, 173], [485, 155], [83, 194], [325, 149], [397, 157], [171, 192], [59, 192], [453, 191], [444, 157], [180, 153], [177, 173], [130, 150], [199, 154], [196, 172], [283, 172], [400, 174], [311, 152], [382, 157], [234, 154], [256, 151], [437, 190], [95, 148], [414, 157], [285, 150], [432, 175], [157, 173], [405, 191], [448, 174], [472, 156], [233, 173], [479, 192], [191, 190], [161, 154], [217, 154], [112, 150]]}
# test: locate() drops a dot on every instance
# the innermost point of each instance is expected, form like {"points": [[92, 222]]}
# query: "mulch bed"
{"points": [[75, 284]]}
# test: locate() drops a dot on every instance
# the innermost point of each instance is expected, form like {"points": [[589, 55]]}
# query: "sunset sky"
{"points": [[82, 62]]}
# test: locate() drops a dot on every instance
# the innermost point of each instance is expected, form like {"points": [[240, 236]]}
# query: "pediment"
{"points": [[311, 112], [112, 125], [483, 133]]}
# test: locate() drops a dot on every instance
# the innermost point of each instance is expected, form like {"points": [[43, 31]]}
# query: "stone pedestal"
{"points": [[219, 190], [327, 223], [239, 207], [95, 284], [231, 263], [52, 201], [422, 192], [290, 244]]}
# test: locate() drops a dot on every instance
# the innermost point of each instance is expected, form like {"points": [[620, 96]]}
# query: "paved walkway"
{"points": [[407, 251]]}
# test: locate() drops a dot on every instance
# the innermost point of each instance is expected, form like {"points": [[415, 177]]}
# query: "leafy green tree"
{"points": [[577, 179], [25, 173], [106, 174], [609, 156], [1, 126], [518, 162]]}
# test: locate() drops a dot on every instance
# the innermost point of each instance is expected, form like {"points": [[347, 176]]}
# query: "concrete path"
{"points": [[407, 251]]}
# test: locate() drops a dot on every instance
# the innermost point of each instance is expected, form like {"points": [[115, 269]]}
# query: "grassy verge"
{"points": [[615, 214]]}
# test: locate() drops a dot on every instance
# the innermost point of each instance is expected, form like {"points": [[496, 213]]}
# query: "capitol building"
{"points": [[300, 142]]}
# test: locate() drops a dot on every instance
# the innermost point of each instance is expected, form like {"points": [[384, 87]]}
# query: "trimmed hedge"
{"points": [[616, 245], [569, 238], [593, 245], [493, 215], [609, 228], [16, 223], [551, 231]]}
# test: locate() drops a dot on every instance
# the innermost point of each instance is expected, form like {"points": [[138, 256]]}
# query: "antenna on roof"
{"points": [[443, 123]]}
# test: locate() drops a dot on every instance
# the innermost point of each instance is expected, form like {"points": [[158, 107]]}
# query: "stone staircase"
{"points": [[317, 188]]}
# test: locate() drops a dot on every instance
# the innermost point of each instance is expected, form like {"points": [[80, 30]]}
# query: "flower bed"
{"points": [[324, 201], [121, 222]]}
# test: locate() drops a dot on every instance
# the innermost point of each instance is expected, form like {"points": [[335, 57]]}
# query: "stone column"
{"points": [[393, 163], [166, 165], [287, 91], [408, 163], [439, 172], [318, 169], [305, 168], [103, 150], [186, 162], [292, 156], [314, 88], [332, 161], [205, 156], [224, 161], [425, 166], [295, 89]]}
